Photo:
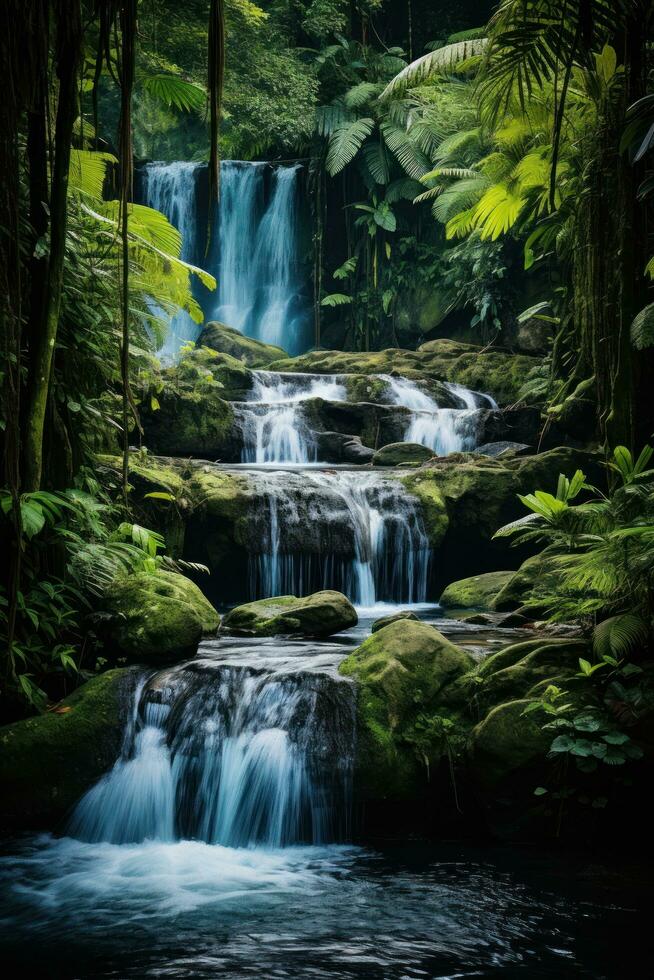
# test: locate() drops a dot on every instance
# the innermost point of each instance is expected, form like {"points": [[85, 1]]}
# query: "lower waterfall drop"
{"points": [[229, 755]]}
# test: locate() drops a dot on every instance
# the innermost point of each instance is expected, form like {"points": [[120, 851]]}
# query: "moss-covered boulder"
{"points": [[320, 614], [401, 672], [521, 668], [402, 454], [191, 420], [538, 570], [203, 367], [379, 624], [48, 762], [159, 616], [506, 742], [227, 340], [475, 592]]}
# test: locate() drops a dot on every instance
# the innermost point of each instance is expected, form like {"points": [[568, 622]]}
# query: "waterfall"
{"points": [[271, 422], [444, 430], [171, 189], [358, 532], [258, 265], [232, 755]]}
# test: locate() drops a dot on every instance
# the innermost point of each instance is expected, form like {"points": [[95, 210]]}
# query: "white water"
{"points": [[271, 421], [444, 430], [359, 532], [229, 755], [258, 265], [171, 189]]}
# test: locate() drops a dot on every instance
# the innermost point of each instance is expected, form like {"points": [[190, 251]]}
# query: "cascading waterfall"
{"points": [[230, 755], [272, 425], [361, 533], [171, 189], [257, 264], [444, 430]]}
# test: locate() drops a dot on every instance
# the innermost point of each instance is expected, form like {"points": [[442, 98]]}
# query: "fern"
{"points": [[620, 636], [438, 62], [642, 328], [345, 142]]}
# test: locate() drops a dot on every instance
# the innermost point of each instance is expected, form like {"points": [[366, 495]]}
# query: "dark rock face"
{"points": [[336, 447], [520, 425], [402, 454], [501, 448]]}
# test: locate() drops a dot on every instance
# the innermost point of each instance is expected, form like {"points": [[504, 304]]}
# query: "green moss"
{"points": [[363, 388], [379, 624], [506, 741], [401, 671], [227, 340], [320, 614], [190, 421], [204, 366], [476, 592], [47, 762], [160, 616], [517, 591], [434, 511], [402, 454]]}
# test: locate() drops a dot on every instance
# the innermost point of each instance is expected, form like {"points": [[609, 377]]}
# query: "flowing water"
{"points": [[172, 189], [217, 847], [359, 532]]}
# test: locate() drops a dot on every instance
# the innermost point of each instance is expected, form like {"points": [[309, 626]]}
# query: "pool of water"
{"points": [[188, 909]]}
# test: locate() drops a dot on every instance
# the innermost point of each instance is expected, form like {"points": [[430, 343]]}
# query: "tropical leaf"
{"points": [[377, 162], [336, 299], [410, 156], [620, 635], [88, 170], [438, 62], [175, 92], [642, 328], [345, 142], [347, 269], [360, 94]]}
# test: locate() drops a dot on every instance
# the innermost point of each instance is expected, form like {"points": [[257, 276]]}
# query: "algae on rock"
{"points": [[320, 614]]}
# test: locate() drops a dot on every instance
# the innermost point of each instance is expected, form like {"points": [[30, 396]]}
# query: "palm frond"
{"points": [[175, 92], [438, 62], [345, 142]]}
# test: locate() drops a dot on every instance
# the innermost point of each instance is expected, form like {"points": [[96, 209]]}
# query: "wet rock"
{"points": [[515, 425], [192, 421], [501, 448], [336, 447], [48, 762], [402, 454], [159, 616], [379, 624], [477, 592], [320, 614]]}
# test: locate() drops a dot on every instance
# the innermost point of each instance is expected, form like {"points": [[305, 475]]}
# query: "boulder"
{"points": [[227, 340], [48, 762], [517, 424], [192, 421], [402, 454], [158, 616], [204, 367], [320, 614], [505, 742], [335, 447], [501, 448], [401, 672], [379, 624], [517, 590], [476, 592]]}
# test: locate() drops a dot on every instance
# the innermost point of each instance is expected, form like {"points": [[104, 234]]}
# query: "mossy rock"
{"points": [[538, 570], [401, 671], [320, 614], [499, 373], [476, 592], [505, 742], [204, 366], [379, 624], [402, 454], [159, 616], [48, 762], [192, 421], [227, 340]]}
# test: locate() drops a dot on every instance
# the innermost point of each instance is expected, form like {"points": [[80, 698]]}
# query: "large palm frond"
{"points": [[439, 62]]}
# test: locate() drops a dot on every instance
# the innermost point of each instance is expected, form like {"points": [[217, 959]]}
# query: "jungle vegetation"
{"points": [[497, 173]]}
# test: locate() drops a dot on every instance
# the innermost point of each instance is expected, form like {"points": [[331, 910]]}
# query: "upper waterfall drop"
{"points": [[257, 262], [172, 189]]}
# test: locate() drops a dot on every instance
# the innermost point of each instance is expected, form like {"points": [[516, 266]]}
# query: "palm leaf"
{"points": [[345, 142], [438, 62], [88, 170], [642, 328], [620, 635], [175, 92]]}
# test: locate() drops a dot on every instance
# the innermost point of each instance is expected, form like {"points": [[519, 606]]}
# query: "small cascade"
{"points": [[232, 755], [258, 266], [358, 532], [444, 430], [271, 422], [171, 189]]}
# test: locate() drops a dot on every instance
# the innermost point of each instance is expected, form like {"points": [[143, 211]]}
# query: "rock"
{"points": [[496, 372], [205, 367], [513, 673], [476, 592], [402, 454], [158, 616], [227, 340], [401, 671], [501, 448], [375, 425], [514, 620], [504, 742], [192, 421], [379, 624], [48, 762], [320, 614], [335, 447], [519, 424], [517, 590], [477, 619]]}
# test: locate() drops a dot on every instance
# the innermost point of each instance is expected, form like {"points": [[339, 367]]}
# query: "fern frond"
{"points": [[345, 142], [438, 62]]}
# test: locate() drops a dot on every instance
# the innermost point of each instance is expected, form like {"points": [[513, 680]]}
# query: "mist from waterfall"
{"points": [[172, 189]]}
